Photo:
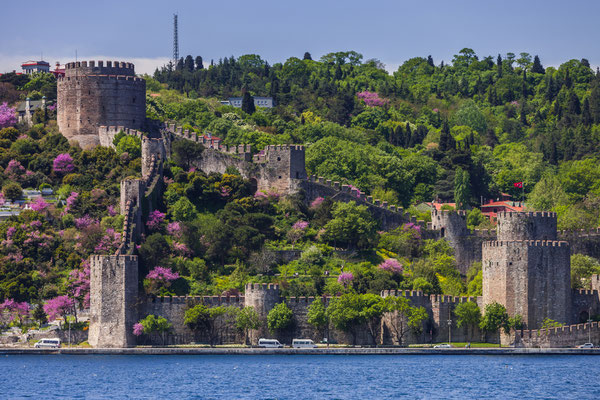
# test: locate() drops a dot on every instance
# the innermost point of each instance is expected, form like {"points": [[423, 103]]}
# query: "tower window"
{"points": [[278, 158], [279, 177], [134, 99]]}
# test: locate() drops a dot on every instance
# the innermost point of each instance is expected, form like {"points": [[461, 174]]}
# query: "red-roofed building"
{"points": [[492, 207], [31, 67], [58, 71]]}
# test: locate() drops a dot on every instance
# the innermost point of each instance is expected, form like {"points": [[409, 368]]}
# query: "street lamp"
{"points": [[589, 321]]}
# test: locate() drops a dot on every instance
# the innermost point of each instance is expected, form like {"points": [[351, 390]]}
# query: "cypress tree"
{"points": [[430, 61], [523, 114], [568, 82], [549, 88], [199, 63], [574, 106], [188, 64], [179, 66], [499, 66], [595, 103], [338, 73], [307, 56], [537, 66], [248, 103], [407, 135]]}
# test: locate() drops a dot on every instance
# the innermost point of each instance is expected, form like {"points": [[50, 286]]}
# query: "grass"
{"points": [[459, 345]]}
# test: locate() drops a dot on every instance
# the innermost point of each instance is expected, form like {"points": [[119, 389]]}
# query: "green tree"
{"points": [[131, 145], [183, 210], [495, 318], [317, 316], [462, 189], [582, 268], [248, 103], [156, 324], [12, 191], [200, 318], [247, 319], [344, 313], [185, 152], [351, 226], [407, 318], [280, 318], [537, 66], [467, 314], [39, 315], [372, 309]]}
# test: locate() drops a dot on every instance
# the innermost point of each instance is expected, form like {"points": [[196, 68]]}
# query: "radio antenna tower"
{"points": [[175, 41]]}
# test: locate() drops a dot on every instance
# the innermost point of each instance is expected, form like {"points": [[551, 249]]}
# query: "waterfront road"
{"points": [[290, 351]]}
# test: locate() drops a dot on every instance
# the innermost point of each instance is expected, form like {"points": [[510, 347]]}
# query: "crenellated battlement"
{"points": [[262, 287], [206, 300], [86, 68], [439, 298], [447, 213], [528, 243], [567, 330]]}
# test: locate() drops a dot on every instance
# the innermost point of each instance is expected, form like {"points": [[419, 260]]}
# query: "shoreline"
{"points": [[291, 351]]}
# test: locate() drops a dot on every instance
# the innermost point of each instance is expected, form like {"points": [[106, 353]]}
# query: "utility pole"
{"points": [[175, 41]]}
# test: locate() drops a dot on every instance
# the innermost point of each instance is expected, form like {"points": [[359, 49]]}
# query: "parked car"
{"points": [[272, 343], [442, 346], [47, 344], [586, 346], [303, 344]]}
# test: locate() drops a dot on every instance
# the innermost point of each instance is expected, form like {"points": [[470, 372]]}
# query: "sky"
{"points": [[390, 31]]}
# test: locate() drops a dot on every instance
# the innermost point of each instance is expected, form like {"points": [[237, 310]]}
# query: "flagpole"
{"points": [[523, 196]]}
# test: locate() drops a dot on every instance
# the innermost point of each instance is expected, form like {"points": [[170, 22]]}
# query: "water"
{"points": [[299, 377]]}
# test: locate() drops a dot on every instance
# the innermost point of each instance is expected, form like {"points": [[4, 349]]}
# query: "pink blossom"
{"points": [[109, 242], [300, 225], [15, 309], [317, 202], [59, 306], [111, 210], [155, 219], [10, 232], [174, 229], [162, 274], [138, 329], [84, 222], [225, 191], [39, 204], [260, 195], [14, 170], [79, 284], [8, 115], [372, 99], [435, 110], [181, 249], [345, 278], [71, 200], [35, 224], [392, 265], [63, 164]]}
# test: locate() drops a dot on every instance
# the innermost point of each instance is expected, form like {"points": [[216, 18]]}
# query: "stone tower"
{"points": [[282, 168], [263, 297], [113, 300], [452, 226], [93, 93], [527, 270]]}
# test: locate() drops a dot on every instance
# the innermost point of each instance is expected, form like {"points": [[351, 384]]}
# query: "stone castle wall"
{"points": [[565, 336], [93, 94], [113, 300], [530, 278]]}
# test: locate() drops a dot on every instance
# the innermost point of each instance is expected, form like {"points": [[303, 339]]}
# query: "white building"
{"points": [[31, 67], [265, 102]]}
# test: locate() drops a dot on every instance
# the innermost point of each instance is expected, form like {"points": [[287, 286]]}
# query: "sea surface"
{"points": [[299, 377]]}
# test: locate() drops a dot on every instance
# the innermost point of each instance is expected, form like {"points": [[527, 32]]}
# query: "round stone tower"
{"points": [[263, 298], [93, 93], [451, 224], [527, 226]]}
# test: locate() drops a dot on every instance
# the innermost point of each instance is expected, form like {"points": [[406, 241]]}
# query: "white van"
{"points": [[274, 343], [303, 344], [47, 344]]}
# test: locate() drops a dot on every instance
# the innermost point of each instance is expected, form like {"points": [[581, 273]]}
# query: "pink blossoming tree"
{"points": [[345, 278], [63, 164], [59, 307], [159, 280], [15, 310], [8, 115], [392, 265], [39, 204], [372, 99], [155, 220]]}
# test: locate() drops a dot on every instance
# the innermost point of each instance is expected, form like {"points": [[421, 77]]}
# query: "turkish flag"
{"points": [[518, 185]]}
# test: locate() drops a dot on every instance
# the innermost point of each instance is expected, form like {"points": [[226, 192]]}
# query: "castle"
{"points": [[93, 93], [526, 267]]}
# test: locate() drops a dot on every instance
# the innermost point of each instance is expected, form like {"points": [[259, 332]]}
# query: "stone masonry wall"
{"points": [[530, 278], [113, 300], [89, 96], [565, 336]]}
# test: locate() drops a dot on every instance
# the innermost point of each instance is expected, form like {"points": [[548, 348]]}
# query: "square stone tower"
{"points": [[113, 300], [527, 270]]}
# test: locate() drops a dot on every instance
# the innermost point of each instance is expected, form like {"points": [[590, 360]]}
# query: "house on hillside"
{"points": [[265, 102], [31, 67]]}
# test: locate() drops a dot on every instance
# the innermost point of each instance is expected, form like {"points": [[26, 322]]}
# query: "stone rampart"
{"points": [[91, 95], [530, 278], [565, 336], [527, 225], [106, 134], [585, 303]]}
